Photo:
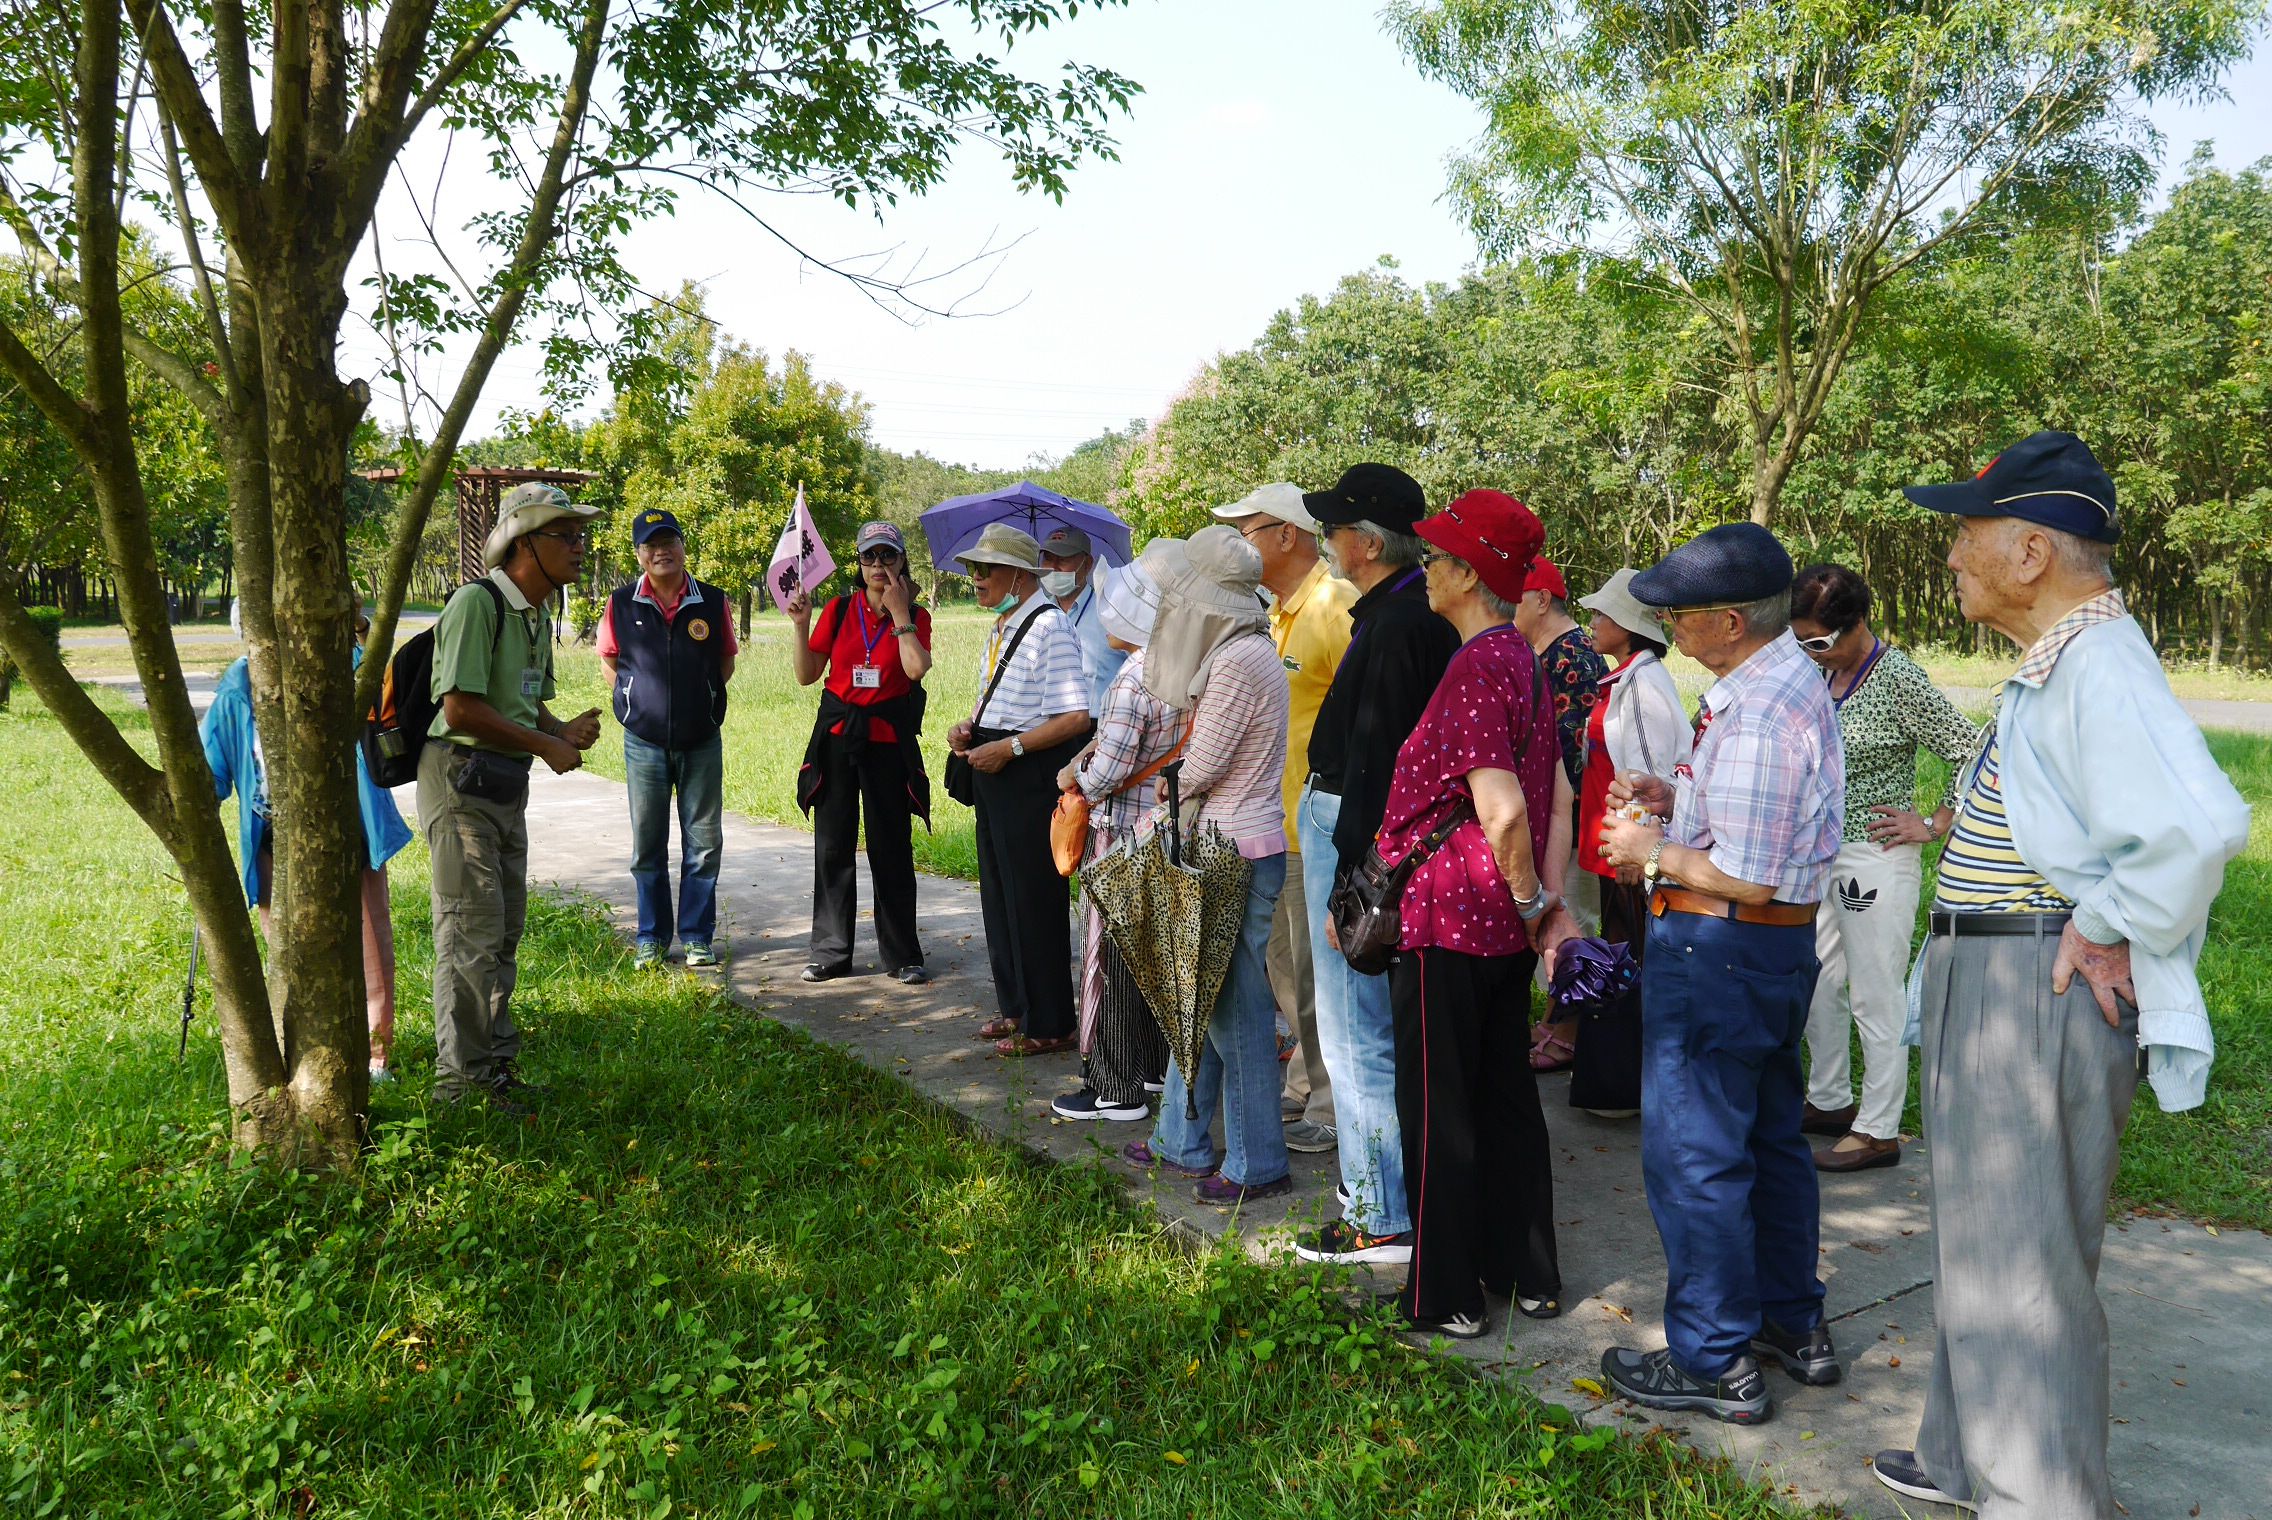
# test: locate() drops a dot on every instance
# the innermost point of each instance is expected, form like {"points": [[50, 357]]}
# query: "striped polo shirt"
{"points": [[1981, 870], [1044, 678]]}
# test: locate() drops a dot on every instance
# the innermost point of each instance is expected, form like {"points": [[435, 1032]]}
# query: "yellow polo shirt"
{"points": [[1311, 630]]}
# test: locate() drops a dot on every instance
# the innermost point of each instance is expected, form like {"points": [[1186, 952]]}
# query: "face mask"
{"points": [[1059, 584], [1007, 605]]}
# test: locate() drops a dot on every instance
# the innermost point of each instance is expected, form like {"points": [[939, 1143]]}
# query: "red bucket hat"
{"points": [[1493, 532]]}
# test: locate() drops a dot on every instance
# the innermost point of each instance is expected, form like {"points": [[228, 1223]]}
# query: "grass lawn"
{"points": [[724, 1271]]}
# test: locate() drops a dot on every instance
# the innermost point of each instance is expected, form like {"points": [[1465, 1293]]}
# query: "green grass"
{"points": [[724, 1271]]}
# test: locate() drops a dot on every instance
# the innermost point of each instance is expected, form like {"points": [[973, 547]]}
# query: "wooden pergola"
{"points": [[479, 491]]}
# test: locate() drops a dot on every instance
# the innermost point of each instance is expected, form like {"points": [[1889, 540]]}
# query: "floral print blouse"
{"points": [[1573, 675], [1896, 711]]}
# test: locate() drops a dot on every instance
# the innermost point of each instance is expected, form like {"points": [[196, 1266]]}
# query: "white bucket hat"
{"points": [[1128, 600], [1620, 606]]}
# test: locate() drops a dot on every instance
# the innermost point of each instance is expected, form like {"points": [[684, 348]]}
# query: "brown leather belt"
{"points": [[1775, 914]]}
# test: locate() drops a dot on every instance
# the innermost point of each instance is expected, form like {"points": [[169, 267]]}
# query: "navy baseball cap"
{"points": [[651, 522], [2047, 478], [1733, 563], [1376, 493]]}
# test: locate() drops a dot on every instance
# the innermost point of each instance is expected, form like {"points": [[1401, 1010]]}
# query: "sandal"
{"points": [[995, 1029], [1553, 1053], [1019, 1045]]}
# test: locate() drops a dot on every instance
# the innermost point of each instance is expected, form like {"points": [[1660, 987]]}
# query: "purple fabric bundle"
{"points": [[1591, 972]]}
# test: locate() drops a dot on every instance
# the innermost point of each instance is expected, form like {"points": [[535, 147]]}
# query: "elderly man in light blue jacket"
{"points": [[2073, 897]]}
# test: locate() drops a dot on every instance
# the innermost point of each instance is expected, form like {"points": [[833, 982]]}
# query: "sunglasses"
{"points": [[879, 556], [1821, 643]]}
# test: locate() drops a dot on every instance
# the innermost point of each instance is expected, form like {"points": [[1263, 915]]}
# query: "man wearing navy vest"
{"points": [[667, 645]]}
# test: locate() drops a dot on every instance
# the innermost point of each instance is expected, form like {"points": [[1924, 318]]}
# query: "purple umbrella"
{"points": [[954, 525]]}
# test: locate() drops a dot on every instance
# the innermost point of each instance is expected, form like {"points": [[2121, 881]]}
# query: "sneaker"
{"points": [[699, 953], [1655, 1380], [381, 1075], [1460, 1327], [816, 972], [1290, 1109], [1340, 1241], [1220, 1190], [911, 976], [1156, 1088], [510, 1082], [1088, 1103], [1310, 1139], [1904, 1474], [1342, 1196], [1806, 1355], [646, 955], [1138, 1154]]}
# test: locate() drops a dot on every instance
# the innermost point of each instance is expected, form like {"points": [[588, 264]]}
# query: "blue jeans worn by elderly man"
{"points": [[1238, 1064], [652, 774]]}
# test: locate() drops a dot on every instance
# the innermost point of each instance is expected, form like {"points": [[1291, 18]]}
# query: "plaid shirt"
{"points": [[1765, 793], [1135, 729]]}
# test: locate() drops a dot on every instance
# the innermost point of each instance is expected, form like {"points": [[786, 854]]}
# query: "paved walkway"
{"points": [[2239, 717], [2192, 1335]]}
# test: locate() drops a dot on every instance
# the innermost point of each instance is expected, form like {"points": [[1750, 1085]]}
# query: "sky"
{"points": [[1278, 146]]}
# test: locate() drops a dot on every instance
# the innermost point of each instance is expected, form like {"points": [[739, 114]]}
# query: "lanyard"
{"points": [[1081, 606], [1397, 585], [1877, 648], [868, 640]]}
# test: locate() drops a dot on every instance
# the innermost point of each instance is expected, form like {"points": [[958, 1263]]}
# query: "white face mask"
{"points": [[1059, 584]]}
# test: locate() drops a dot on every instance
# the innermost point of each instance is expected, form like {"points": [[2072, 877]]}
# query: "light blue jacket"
{"points": [[1100, 662], [232, 751], [2113, 796]]}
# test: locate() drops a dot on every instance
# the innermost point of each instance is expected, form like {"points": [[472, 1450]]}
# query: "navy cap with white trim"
{"points": [[2048, 478]]}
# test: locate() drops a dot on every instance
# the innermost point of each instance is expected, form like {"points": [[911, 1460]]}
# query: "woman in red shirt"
{"points": [[874, 645]]}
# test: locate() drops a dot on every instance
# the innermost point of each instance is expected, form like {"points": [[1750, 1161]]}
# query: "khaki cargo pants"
{"points": [[480, 853]]}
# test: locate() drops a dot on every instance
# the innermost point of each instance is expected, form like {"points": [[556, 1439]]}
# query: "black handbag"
{"points": [[962, 781], [1364, 906]]}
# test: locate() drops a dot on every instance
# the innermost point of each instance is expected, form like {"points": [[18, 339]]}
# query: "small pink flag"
{"points": [[802, 561]]}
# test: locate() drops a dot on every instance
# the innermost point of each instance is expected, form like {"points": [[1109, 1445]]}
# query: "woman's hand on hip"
{"points": [[1890, 825]]}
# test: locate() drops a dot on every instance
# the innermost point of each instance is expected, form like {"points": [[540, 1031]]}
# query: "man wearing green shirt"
{"points": [[492, 679]]}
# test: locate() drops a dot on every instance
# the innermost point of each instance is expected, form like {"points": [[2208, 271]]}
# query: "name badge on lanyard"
{"points": [[532, 681], [867, 675], [867, 678]]}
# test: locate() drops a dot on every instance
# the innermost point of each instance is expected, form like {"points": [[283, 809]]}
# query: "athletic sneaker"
{"points": [[1088, 1103], [381, 1075], [1654, 1379], [1310, 1139], [1904, 1474], [699, 953], [1340, 1241], [1460, 1327], [1156, 1088], [1806, 1355], [646, 955]]}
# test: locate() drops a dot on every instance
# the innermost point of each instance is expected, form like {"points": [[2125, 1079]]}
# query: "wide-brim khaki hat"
{"points": [[526, 508], [1620, 606], [1001, 544]]}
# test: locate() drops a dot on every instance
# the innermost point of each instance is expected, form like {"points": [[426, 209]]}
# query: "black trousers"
{"points": [[870, 777], [1029, 931], [1130, 1048], [1477, 1165], [1606, 1071]]}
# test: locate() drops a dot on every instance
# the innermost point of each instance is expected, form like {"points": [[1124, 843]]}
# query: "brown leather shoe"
{"points": [[1872, 1152], [1828, 1121]]}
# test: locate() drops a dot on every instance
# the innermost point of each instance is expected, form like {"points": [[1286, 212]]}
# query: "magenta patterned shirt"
{"points": [[1490, 712]]}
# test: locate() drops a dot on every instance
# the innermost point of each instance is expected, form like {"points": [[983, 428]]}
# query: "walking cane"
{"points": [[188, 995]]}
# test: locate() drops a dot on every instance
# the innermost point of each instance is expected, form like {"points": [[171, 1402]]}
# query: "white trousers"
{"points": [[1862, 937]]}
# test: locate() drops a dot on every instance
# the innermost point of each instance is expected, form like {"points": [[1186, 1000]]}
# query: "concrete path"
{"points": [[2192, 1335], [207, 633], [2239, 717]]}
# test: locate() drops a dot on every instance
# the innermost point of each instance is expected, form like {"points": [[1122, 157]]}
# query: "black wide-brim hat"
{"points": [[1733, 563], [1380, 494], [2047, 478]]}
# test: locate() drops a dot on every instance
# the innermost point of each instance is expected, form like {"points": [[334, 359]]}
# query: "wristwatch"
{"points": [[1018, 745], [1652, 867]]}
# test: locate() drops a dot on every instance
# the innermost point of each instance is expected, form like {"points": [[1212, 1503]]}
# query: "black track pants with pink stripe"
{"points": [[1476, 1161]]}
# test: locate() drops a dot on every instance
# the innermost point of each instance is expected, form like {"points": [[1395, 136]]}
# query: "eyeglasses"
{"points": [[878, 556], [1435, 556], [1670, 613], [664, 541], [1822, 643], [578, 539]]}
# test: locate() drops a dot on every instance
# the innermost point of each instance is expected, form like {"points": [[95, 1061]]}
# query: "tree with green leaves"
{"points": [[263, 139], [1776, 166]]}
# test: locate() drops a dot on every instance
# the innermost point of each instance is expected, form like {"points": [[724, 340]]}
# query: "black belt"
{"points": [[1962, 924]]}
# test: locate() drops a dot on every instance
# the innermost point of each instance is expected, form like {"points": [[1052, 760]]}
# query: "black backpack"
{"points": [[395, 732]]}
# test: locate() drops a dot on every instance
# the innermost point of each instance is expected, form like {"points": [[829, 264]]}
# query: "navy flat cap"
{"points": [[1735, 562], [2047, 478]]}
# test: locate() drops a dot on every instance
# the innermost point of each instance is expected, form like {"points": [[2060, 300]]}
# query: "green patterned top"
{"points": [[1895, 712]]}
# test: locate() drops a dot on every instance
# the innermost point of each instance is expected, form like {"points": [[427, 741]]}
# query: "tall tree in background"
{"points": [[265, 137], [1778, 164]]}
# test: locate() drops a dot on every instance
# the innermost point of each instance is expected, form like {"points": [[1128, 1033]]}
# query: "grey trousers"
{"points": [[1293, 982], [480, 853], [2025, 1098]]}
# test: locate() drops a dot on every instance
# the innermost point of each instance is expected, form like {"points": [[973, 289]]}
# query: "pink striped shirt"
{"points": [[1236, 759]]}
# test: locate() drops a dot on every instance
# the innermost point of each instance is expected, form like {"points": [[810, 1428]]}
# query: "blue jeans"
{"points": [[1730, 1179], [651, 773], [1357, 1036], [1239, 1063]]}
